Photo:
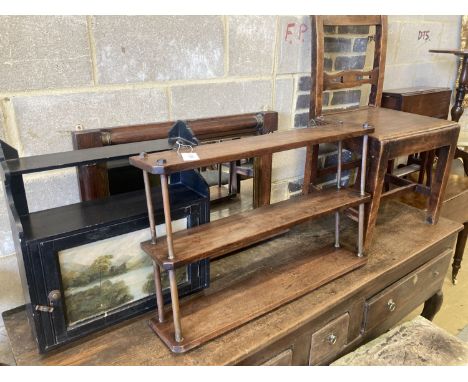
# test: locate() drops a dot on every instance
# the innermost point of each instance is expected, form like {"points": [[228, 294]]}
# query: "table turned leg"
{"points": [[459, 250], [432, 306], [457, 109], [378, 161]]}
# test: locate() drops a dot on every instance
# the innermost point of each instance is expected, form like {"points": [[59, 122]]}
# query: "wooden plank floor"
{"points": [[237, 231], [209, 315]]}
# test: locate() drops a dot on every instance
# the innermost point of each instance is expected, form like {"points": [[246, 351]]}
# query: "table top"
{"points": [[415, 90], [392, 124], [396, 251]]}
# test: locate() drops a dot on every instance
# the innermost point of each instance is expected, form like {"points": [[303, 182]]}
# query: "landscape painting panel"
{"points": [[101, 276]]}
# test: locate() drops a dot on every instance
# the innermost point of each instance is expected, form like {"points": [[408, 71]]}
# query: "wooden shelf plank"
{"points": [[238, 231], [215, 312], [46, 162], [249, 147]]}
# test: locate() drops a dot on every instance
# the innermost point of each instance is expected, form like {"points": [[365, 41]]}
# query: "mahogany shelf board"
{"points": [[211, 315], [238, 231], [392, 124], [249, 147]]}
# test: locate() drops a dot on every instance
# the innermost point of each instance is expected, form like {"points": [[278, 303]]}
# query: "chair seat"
{"points": [[392, 124], [415, 343]]}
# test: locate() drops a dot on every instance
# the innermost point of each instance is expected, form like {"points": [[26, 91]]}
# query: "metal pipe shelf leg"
{"points": [[152, 224], [362, 192], [149, 206], [175, 306], [170, 248], [338, 186], [159, 295], [167, 215]]}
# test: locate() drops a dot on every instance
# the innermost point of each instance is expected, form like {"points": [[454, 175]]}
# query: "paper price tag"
{"points": [[190, 156]]}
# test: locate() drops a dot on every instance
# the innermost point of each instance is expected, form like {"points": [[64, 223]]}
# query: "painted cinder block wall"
{"points": [[62, 73]]}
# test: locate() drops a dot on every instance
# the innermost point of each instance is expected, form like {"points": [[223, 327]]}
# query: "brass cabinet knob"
{"points": [[391, 305], [331, 339]]}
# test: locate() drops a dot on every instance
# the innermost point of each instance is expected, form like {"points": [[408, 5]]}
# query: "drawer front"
{"points": [[409, 292], [282, 359], [329, 340]]}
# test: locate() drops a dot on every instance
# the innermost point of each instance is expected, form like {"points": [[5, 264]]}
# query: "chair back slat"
{"points": [[350, 79]]}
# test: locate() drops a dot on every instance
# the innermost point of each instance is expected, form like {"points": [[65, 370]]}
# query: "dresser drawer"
{"points": [[329, 340], [407, 293]]}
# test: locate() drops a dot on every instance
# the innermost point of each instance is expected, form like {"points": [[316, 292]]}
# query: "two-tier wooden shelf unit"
{"points": [[208, 316]]}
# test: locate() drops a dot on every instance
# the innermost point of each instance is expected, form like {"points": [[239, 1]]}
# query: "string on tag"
{"points": [[182, 146]]}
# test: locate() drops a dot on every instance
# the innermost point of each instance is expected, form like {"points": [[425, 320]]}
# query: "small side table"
{"points": [[456, 112]]}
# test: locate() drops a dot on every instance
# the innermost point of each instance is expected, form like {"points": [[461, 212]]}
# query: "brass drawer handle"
{"points": [[391, 305], [331, 339]]}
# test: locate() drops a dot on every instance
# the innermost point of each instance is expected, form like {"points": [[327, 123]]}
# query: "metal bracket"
{"points": [[53, 297], [260, 122]]}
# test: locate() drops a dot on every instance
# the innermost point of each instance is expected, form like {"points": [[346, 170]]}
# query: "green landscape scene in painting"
{"points": [[104, 275]]}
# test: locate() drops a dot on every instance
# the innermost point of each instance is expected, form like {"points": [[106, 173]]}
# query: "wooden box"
{"points": [[431, 102]]}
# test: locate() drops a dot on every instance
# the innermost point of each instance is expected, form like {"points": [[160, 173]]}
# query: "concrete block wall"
{"points": [[59, 74]]}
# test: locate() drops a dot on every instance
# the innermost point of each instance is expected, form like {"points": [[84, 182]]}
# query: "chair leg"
{"points": [[429, 164], [262, 180], [220, 174], [390, 167], [232, 178], [423, 166], [311, 168], [439, 183]]}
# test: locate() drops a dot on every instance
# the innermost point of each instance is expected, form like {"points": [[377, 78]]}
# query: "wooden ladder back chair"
{"points": [[322, 81], [395, 134], [346, 79]]}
